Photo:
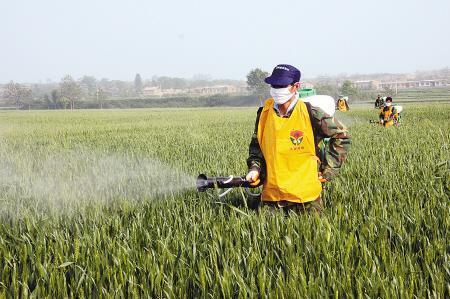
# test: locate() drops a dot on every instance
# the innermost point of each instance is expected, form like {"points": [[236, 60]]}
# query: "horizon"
{"points": [[210, 78]]}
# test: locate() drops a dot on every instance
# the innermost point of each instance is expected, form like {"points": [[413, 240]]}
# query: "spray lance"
{"points": [[230, 182], [204, 183]]}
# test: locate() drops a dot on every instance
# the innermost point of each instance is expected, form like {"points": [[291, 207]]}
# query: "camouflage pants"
{"points": [[311, 207]]}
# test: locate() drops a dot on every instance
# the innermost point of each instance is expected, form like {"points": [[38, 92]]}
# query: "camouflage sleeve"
{"points": [[338, 146], [255, 158], [394, 111]]}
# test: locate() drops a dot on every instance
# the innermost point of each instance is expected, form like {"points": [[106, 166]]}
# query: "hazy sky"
{"points": [[46, 39]]}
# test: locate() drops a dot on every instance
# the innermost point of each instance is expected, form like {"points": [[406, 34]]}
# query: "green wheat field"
{"points": [[102, 203]]}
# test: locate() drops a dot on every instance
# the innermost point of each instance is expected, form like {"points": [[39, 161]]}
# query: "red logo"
{"points": [[296, 137]]}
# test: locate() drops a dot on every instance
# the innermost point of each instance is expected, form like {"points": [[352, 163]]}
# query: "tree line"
{"points": [[62, 95], [68, 92]]}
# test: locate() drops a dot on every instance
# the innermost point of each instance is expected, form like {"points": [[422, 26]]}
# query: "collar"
{"points": [[289, 109]]}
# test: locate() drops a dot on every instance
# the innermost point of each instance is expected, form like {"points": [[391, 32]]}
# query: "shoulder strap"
{"points": [[314, 126], [258, 115]]}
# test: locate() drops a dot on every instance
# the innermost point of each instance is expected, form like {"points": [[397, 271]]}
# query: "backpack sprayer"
{"points": [[203, 183]]}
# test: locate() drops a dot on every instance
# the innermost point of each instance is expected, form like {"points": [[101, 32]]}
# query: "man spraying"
{"points": [[389, 114], [342, 104], [379, 102], [283, 153]]}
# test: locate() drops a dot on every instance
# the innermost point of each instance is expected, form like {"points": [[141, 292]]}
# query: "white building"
{"points": [[413, 84], [366, 84], [219, 89], [400, 84], [306, 85], [150, 91]]}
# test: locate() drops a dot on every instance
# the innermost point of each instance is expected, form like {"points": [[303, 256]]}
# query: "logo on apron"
{"points": [[296, 137]]}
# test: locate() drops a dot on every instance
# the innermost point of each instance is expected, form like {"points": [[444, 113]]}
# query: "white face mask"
{"points": [[281, 95], [388, 104]]}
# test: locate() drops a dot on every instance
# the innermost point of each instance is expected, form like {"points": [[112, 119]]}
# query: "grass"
{"points": [[102, 203], [425, 94]]}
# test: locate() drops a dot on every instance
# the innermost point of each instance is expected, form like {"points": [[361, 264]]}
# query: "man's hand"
{"points": [[325, 177], [253, 177]]}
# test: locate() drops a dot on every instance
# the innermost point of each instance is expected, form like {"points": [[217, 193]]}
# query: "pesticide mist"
{"points": [[65, 181]]}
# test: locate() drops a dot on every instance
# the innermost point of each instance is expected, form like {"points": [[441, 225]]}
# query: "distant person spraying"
{"points": [[390, 114]]}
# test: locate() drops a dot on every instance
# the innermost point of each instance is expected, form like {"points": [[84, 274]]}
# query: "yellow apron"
{"points": [[341, 105], [386, 114], [289, 151]]}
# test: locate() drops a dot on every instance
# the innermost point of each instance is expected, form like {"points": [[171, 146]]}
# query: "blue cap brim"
{"points": [[278, 81]]}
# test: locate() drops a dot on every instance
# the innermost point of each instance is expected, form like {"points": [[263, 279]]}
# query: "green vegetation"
{"points": [[427, 95], [255, 82], [170, 102], [102, 203]]}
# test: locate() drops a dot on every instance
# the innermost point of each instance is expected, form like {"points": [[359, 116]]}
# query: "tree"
{"points": [[47, 100], [388, 90], [347, 89], [64, 102], [54, 97], [179, 83], [200, 80], [328, 89], [121, 88], [255, 82], [138, 84], [101, 96], [18, 93], [91, 84], [165, 82], [70, 90]]}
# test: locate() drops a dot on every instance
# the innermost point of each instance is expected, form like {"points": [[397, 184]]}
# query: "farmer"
{"points": [[389, 114], [379, 102], [283, 154], [342, 104]]}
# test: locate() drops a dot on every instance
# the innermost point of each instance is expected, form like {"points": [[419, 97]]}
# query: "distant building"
{"points": [[306, 85], [219, 89], [413, 84], [366, 84], [156, 91], [174, 91], [400, 84], [150, 91]]}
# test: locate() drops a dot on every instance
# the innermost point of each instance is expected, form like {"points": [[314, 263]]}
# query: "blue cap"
{"points": [[283, 74]]}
